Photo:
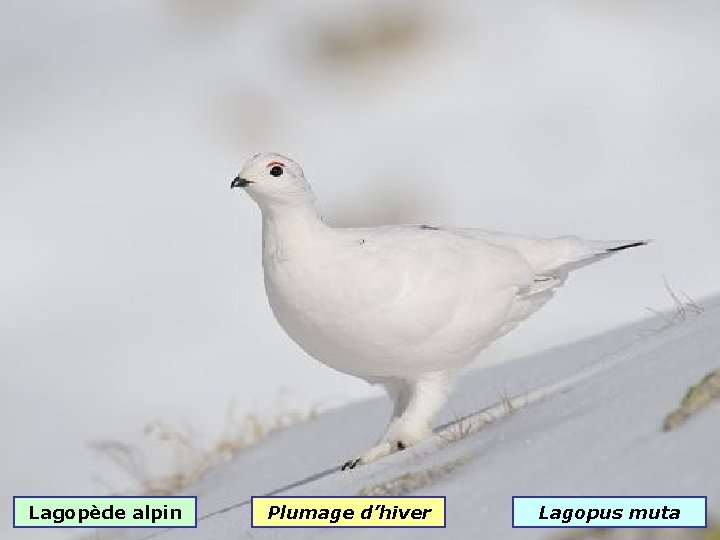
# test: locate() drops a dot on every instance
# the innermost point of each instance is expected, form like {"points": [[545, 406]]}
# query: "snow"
{"points": [[588, 422], [131, 288]]}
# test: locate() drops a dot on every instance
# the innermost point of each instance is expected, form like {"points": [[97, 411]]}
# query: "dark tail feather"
{"points": [[626, 246]]}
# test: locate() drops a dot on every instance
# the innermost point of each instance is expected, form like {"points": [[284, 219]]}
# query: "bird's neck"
{"points": [[291, 230]]}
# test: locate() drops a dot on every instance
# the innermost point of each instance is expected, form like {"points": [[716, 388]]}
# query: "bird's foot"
{"points": [[381, 449], [351, 464], [386, 447]]}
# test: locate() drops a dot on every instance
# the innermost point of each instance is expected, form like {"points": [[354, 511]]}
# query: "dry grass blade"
{"points": [[507, 403], [683, 306]]}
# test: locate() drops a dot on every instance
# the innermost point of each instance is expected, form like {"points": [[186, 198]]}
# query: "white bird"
{"points": [[400, 306]]}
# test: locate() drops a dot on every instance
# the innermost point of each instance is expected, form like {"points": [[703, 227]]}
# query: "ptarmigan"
{"points": [[400, 306]]}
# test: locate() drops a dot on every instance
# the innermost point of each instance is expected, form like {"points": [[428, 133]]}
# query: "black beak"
{"points": [[239, 182]]}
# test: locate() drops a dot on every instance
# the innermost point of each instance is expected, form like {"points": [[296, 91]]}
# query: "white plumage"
{"points": [[401, 306]]}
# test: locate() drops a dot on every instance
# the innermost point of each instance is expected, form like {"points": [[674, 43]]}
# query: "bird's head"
{"points": [[274, 180]]}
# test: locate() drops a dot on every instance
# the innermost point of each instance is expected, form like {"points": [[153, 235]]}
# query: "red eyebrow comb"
{"points": [[275, 163]]}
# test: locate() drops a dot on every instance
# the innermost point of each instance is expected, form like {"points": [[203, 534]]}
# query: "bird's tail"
{"points": [[593, 251], [627, 245]]}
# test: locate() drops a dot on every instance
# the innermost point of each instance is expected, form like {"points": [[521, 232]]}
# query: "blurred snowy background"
{"points": [[131, 286]]}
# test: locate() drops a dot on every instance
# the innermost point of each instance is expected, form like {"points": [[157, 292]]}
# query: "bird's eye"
{"points": [[276, 170]]}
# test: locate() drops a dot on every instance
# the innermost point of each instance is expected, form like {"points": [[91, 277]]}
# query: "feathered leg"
{"points": [[415, 404]]}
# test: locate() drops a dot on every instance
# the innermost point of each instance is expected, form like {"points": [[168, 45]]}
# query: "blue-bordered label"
{"points": [[609, 512]]}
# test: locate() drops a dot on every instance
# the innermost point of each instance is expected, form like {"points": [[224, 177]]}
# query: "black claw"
{"points": [[350, 464], [401, 445]]}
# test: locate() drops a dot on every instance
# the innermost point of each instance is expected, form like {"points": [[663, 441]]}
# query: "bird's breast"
{"points": [[304, 300]]}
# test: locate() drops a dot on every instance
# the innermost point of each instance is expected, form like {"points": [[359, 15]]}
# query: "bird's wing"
{"points": [[415, 281], [553, 256]]}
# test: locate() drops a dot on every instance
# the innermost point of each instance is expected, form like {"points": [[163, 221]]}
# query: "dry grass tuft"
{"points": [[697, 398], [460, 429], [374, 37], [180, 448]]}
